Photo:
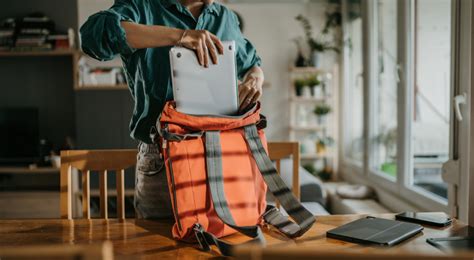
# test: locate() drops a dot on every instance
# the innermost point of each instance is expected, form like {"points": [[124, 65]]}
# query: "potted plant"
{"points": [[388, 140], [325, 174], [315, 85], [299, 84], [321, 112], [310, 168], [323, 144], [300, 59], [317, 46]]}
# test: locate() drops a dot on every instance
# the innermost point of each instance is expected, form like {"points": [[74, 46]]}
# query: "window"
{"points": [[405, 49], [384, 123], [431, 108], [354, 145]]}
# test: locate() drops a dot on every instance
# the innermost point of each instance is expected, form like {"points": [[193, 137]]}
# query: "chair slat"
{"points": [[103, 194], [86, 213], [120, 193]]}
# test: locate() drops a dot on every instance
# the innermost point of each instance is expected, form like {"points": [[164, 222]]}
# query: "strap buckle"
{"points": [[270, 210], [199, 233]]}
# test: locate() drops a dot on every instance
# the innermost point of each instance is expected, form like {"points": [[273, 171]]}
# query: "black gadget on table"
{"points": [[437, 219], [378, 231]]}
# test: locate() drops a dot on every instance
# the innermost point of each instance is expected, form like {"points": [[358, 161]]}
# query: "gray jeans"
{"points": [[152, 199]]}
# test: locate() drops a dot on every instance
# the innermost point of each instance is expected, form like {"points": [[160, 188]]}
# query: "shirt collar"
{"points": [[211, 8]]}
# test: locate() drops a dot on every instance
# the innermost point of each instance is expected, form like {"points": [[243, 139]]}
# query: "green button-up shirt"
{"points": [[148, 70]]}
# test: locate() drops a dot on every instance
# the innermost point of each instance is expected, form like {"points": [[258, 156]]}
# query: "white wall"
{"points": [[271, 28]]}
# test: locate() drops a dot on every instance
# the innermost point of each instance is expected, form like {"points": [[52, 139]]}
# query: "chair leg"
{"points": [[65, 190]]}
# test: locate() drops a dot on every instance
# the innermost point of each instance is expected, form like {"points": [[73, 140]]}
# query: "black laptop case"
{"points": [[377, 231]]}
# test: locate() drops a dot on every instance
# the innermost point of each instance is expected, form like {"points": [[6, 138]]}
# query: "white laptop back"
{"points": [[204, 91]]}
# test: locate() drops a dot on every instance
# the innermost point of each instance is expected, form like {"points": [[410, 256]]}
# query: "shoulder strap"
{"points": [[304, 219]]}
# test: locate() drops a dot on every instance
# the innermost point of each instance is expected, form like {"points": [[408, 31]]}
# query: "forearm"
{"points": [[150, 36]]}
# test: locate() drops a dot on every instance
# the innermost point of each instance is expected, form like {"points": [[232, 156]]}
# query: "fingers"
{"points": [[200, 54], [248, 94], [205, 53], [217, 43], [212, 49], [248, 99], [205, 44]]}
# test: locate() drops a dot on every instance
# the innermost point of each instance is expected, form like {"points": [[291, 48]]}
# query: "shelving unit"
{"points": [[28, 170], [101, 87], [58, 52], [307, 132]]}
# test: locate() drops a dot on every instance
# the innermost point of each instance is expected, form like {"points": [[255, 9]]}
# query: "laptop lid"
{"points": [[204, 91], [378, 231]]}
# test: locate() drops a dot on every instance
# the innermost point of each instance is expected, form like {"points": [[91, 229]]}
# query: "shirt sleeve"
{"points": [[246, 53], [102, 36]]}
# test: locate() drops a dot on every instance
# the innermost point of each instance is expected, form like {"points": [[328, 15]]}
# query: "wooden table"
{"points": [[144, 239]]}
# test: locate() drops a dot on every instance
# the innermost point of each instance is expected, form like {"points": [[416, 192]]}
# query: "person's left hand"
{"points": [[250, 90]]}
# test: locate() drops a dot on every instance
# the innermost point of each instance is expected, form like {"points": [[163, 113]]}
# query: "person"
{"points": [[142, 33]]}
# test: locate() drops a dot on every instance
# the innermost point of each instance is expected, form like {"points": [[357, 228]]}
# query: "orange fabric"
{"points": [[244, 186]]}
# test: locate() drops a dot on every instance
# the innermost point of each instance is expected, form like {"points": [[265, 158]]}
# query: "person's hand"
{"points": [[250, 90], [204, 43]]}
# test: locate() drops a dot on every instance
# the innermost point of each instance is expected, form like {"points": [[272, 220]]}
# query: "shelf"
{"points": [[27, 170], [313, 156], [102, 87], [65, 52], [305, 70], [307, 128], [309, 99]]}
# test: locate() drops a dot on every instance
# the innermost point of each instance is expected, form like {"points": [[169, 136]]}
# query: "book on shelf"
{"points": [[44, 47], [35, 32]]}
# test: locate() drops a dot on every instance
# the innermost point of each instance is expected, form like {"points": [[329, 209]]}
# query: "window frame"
{"points": [[346, 161], [399, 188]]}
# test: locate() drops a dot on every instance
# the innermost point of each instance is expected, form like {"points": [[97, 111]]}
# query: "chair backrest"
{"points": [[101, 161], [282, 150], [96, 251]]}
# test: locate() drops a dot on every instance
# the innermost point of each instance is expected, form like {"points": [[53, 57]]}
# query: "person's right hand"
{"points": [[205, 44]]}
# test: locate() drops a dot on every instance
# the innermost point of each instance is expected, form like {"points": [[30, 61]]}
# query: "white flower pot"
{"points": [[306, 92], [317, 91], [322, 119], [316, 58]]}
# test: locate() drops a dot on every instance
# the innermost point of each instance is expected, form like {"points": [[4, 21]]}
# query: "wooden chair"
{"points": [[101, 161], [282, 150], [98, 251]]}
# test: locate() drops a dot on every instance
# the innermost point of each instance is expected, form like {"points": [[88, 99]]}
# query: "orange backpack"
{"points": [[218, 172]]}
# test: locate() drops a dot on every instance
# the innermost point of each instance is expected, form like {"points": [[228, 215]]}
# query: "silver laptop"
{"points": [[204, 91]]}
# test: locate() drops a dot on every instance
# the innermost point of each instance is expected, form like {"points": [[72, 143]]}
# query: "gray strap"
{"points": [[303, 218], [216, 187]]}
